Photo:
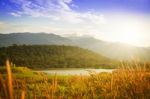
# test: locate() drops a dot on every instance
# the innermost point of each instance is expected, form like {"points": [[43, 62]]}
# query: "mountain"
{"points": [[32, 38], [54, 56], [119, 51], [108, 49]]}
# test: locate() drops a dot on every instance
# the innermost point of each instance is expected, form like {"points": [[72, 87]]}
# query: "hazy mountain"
{"points": [[32, 38], [113, 50], [108, 49]]}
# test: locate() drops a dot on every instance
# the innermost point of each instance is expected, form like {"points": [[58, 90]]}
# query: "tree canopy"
{"points": [[53, 56]]}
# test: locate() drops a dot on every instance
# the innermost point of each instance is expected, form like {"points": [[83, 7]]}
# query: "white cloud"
{"points": [[3, 25], [15, 14], [44, 8], [58, 10], [67, 21], [7, 27]]}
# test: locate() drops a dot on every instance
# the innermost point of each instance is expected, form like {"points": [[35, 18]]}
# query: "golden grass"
{"points": [[9, 80], [23, 95], [7, 84], [125, 83], [3, 87]]}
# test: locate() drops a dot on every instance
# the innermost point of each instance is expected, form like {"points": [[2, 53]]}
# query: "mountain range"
{"points": [[112, 50]]}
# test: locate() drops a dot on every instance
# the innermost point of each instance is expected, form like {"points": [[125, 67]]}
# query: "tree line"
{"points": [[53, 56]]}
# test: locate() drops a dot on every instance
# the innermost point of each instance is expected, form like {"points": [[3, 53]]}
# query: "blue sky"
{"points": [[110, 20], [137, 6]]}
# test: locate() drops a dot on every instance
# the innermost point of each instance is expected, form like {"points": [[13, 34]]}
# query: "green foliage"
{"points": [[15, 70], [53, 56]]}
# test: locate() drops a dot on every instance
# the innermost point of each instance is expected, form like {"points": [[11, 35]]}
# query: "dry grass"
{"points": [[9, 80], [125, 83], [7, 84]]}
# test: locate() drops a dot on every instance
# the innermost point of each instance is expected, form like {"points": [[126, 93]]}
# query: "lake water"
{"points": [[75, 71]]}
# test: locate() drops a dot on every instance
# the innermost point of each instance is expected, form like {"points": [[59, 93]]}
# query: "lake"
{"points": [[75, 71]]}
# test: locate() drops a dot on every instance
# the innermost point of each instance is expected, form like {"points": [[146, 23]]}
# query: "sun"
{"points": [[129, 33], [129, 38]]}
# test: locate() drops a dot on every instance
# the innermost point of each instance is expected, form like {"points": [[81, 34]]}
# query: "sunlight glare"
{"points": [[129, 33]]}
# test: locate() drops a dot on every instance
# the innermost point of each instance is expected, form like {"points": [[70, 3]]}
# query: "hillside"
{"points": [[118, 51], [53, 56], [111, 50], [32, 39]]}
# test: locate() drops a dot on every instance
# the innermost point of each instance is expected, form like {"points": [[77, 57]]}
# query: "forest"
{"points": [[54, 56]]}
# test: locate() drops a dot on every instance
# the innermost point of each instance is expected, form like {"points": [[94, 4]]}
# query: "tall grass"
{"points": [[9, 80], [7, 84], [128, 82]]}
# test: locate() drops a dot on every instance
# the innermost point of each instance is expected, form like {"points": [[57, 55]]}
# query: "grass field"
{"points": [[124, 83]]}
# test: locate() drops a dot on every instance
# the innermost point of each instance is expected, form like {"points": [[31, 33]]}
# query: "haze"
{"points": [[125, 21]]}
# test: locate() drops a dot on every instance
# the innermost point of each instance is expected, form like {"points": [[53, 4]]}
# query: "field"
{"points": [[74, 49], [124, 83]]}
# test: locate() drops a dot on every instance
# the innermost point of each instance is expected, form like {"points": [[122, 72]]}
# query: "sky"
{"points": [[126, 21]]}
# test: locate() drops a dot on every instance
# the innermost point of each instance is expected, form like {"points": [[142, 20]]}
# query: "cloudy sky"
{"points": [[126, 21]]}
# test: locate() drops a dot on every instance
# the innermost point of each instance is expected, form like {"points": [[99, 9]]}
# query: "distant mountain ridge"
{"points": [[32, 38], [114, 50], [111, 50]]}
